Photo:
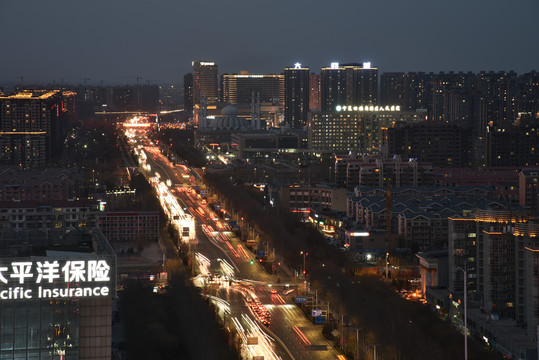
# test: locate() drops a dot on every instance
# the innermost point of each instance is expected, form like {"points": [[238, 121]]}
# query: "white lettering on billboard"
{"points": [[48, 271], [76, 278], [363, 108]]}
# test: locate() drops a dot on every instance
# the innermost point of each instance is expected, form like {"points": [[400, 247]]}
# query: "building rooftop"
{"points": [[32, 94]]}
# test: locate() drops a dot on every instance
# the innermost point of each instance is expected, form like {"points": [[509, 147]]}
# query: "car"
{"points": [[274, 291]]}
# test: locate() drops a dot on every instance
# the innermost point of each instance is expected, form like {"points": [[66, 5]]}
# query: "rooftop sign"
{"points": [[54, 279], [363, 108]]}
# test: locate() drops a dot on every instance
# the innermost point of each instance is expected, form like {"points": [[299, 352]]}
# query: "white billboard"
{"points": [[55, 279]]}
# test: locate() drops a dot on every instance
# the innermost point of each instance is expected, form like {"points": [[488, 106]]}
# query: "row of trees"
{"points": [[178, 324], [404, 330]]}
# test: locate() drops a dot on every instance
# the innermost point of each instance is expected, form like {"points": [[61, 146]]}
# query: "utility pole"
{"points": [[342, 335], [357, 343], [389, 207], [374, 350]]}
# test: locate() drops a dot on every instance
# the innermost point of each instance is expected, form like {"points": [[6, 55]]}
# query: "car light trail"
{"points": [[278, 299], [301, 335], [242, 252], [234, 252]]}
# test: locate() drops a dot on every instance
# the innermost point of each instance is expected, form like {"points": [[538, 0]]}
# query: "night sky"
{"points": [[115, 41]]}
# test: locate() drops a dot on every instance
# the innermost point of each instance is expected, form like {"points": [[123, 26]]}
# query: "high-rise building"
{"points": [[443, 145], [498, 249], [31, 124], [314, 92], [188, 92], [528, 186], [296, 98], [57, 293], [354, 128], [499, 97], [205, 82], [393, 89], [514, 144], [418, 90], [238, 89], [348, 84]]}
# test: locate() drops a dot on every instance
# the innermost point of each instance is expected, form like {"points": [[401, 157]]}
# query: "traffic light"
{"points": [[304, 272], [251, 262], [260, 260]]}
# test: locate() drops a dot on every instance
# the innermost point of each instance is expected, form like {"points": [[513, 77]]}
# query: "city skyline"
{"points": [[129, 42]]}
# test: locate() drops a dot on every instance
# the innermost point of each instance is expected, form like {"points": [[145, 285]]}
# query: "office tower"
{"points": [[31, 124], [238, 89], [205, 82], [335, 132], [353, 128], [188, 92], [368, 84], [314, 93], [332, 87], [296, 98], [348, 84]]}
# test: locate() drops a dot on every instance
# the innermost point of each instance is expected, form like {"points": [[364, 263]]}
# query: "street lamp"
{"points": [[304, 270], [465, 272]]}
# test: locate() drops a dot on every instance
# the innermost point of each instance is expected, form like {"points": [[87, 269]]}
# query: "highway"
{"points": [[257, 304]]}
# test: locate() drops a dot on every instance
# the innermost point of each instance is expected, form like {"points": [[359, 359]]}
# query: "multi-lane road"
{"points": [[258, 305]]}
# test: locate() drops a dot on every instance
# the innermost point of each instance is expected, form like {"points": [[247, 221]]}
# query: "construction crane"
{"points": [[133, 77], [84, 79]]}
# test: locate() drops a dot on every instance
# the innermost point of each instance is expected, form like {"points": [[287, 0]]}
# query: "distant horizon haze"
{"points": [[118, 41]]}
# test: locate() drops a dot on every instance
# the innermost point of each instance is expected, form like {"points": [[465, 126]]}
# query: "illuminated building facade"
{"points": [[348, 84], [205, 74], [56, 300], [296, 100], [238, 89], [31, 123], [355, 128]]}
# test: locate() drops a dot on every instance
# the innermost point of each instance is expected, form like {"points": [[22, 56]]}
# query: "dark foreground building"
{"points": [[56, 295]]}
